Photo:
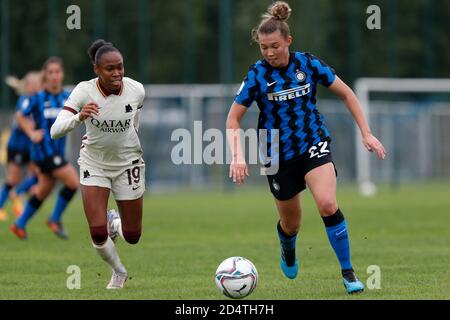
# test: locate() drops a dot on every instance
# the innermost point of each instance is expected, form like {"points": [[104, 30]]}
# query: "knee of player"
{"points": [[74, 184], [99, 234], [13, 180], [132, 237], [41, 193], [327, 207]]}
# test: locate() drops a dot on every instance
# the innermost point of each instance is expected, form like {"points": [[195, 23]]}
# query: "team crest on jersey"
{"points": [[128, 108], [300, 75]]}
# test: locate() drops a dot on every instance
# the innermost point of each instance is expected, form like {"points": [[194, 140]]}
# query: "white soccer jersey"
{"points": [[111, 141]]}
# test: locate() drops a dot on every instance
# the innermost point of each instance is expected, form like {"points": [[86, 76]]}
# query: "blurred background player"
{"points": [[110, 155], [18, 148], [47, 154], [284, 86]]}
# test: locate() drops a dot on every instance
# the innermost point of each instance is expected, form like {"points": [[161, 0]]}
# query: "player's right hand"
{"points": [[36, 136], [89, 110], [238, 172]]}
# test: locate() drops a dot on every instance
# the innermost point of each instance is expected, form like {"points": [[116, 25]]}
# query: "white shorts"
{"points": [[127, 183]]}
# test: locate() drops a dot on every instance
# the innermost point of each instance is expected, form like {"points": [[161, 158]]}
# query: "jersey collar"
{"points": [[103, 92]]}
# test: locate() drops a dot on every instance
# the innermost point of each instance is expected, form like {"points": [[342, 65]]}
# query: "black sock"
{"points": [[287, 245]]}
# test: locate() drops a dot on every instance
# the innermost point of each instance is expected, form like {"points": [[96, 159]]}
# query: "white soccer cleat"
{"points": [[111, 216], [117, 280]]}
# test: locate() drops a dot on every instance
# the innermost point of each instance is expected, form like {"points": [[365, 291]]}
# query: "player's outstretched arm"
{"points": [[349, 98], [238, 167]]}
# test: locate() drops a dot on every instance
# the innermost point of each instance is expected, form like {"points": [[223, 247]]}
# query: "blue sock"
{"points": [[30, 209], [337, 232], [64, 197], [26, 184], [287, 244], [4, 193]]}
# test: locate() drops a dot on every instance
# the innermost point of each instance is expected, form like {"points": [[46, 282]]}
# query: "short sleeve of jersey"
{"points": [[322, 72], [22, 103], [247, 92], [141, 101], [26, 104], [77, 97]]}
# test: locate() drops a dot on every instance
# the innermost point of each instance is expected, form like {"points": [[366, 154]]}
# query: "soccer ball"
{"points": [[236, 277]]}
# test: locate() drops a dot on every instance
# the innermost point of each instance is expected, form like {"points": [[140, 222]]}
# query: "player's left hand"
{"points": [[373, 144]]}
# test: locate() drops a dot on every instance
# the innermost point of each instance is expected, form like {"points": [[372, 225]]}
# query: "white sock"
{"points": [[108, 253], [117, 226]]}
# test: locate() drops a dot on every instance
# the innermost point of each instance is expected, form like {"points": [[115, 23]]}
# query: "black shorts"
{"points": [[50, 164], [290, 178], [20, 158]]}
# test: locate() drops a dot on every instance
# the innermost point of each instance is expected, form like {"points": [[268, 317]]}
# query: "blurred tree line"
{"points": [[209, 41]]}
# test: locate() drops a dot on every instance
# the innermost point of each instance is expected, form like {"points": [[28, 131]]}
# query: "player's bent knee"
{"points": [[99, 234], [327, 207], [73, 184], [132, 237]]}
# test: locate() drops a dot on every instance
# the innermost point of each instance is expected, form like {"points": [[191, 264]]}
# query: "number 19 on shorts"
{"points": [[134, 175]]}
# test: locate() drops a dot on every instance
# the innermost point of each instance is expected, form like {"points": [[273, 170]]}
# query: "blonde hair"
{"points": [[19, 85], [274, 19]]}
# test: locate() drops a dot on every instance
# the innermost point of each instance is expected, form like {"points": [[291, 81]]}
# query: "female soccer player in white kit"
{"points": [[110, 155]]}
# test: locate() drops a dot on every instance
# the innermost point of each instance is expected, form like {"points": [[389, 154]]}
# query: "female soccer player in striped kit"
{"points": [[284, 85], [18, 148], [35, 119], [111, 155]]}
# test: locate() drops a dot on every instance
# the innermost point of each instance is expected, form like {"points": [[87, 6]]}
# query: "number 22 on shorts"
{"points": [[320, 150]]}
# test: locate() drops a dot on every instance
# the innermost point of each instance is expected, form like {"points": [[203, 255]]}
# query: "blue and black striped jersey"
{"points": [[286, 98], [18, 140], [44, 109]]}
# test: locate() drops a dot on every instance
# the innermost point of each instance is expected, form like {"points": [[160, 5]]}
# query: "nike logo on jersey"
{"points": [[271, 84], [135, 188]]}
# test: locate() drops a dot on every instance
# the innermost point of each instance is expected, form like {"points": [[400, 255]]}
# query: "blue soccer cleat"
{"points": [[351, 282], [289, 271]]}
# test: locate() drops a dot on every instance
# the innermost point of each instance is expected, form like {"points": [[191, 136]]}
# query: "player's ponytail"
{"points": [[98, 48], [275, 19]]}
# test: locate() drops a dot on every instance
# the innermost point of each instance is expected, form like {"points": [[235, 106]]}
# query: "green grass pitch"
{"points": [[405, 232]]}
